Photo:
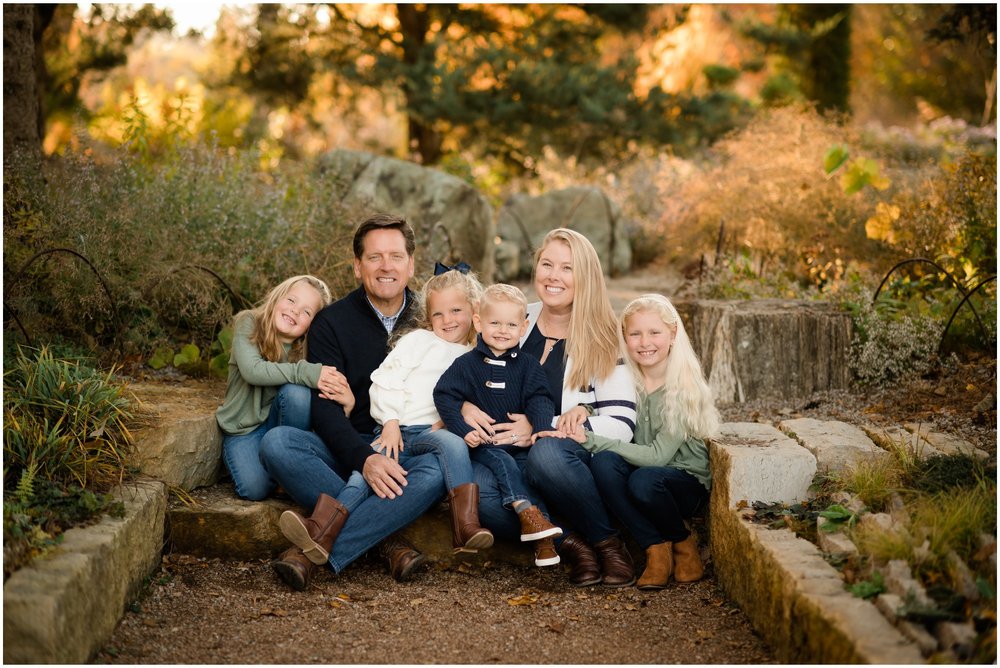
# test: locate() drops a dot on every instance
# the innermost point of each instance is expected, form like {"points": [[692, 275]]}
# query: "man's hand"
{"points": [[385, 476]]}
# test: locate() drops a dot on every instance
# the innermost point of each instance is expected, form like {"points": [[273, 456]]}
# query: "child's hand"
{"points": [[333, 385], [390, 441], [473, 439], [579, 437], [571, 422], [437, 425]]}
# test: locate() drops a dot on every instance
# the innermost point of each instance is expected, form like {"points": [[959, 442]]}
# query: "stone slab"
{"points": [[889, 438], [793, 598], [183, 445], [756, 462], [946, 443], [837, 446], [63, 607]]}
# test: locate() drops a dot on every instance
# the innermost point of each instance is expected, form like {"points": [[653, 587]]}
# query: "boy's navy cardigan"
{"points": [[348, 335], [511, 383]]}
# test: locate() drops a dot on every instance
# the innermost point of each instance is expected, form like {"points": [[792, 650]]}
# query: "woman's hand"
{"points": [[333, 385], [390, 441], [572, 421], [516, 432], [580, 437], [478, 420]]}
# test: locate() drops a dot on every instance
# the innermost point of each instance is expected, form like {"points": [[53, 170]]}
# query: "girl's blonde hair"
{"points": [[467, 283], [688, 406], [591, 342], [265, 336]]}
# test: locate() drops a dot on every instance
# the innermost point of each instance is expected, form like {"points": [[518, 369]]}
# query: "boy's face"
{"points": [[502, 325]]}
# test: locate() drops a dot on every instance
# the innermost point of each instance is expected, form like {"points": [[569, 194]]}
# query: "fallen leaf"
{"points": [[277, 612], [556, 627], [417, 601], [464, 568], [629, 606], [344, 597], [582, 597], [524, 599], [336, 603]]}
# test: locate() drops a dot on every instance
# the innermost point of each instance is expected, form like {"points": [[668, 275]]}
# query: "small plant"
{"points": [[837, 518], [873, 481], [189, 358], [868, 588]]}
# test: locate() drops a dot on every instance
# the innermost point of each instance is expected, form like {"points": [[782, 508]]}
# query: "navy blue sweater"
{"points": [[511, 383], [348, 335]]}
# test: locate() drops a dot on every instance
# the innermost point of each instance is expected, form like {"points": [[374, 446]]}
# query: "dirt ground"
{"points": [[215, 611]]}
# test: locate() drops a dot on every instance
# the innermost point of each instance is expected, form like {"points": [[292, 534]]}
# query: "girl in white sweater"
{"points": [[402, 396]]}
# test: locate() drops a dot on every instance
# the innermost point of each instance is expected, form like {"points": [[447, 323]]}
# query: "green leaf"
{"points": [[835, 157], [219, 365], [189, 354], [863, 172], [161, 358], [868, 588]]}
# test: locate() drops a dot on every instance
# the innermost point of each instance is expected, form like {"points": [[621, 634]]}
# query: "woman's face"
{"points": [[554, 276]]}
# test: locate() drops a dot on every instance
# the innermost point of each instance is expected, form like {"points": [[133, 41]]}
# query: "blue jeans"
{"points": [[451, 451], [241, 453], [507, 464], [561, 470], [651, 501], [493, 514], [302, 464]]}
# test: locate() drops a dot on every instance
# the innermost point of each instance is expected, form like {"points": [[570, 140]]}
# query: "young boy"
{"points": [[499, 379]]}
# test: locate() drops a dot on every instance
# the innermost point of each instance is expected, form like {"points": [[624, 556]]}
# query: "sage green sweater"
{"points": [[652, 446], [254, 381]]}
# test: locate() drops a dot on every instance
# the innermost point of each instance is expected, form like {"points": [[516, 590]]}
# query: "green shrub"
{"points": [[64, 422]]}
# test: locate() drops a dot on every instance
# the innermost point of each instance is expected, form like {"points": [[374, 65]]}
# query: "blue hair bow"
{"points": [[442, 268]]}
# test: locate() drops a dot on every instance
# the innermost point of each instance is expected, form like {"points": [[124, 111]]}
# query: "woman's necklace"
{"points": [[550, 343]]}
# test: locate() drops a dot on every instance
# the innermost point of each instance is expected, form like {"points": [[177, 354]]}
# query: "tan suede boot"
{"points": [[467, 535], [659, 566], [687, 560]]}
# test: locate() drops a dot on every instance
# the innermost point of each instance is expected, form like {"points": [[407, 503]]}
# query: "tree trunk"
{"points": [[20, 85], [414, 22]]}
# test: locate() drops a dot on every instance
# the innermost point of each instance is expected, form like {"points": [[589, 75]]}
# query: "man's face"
{"points": [[384, 267]]}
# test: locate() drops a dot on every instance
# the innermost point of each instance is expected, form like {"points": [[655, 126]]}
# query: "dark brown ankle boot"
{"points": [[687, 560], [403, 557], [659, 566], [294, 568], [617, 569], [315, 535], [584, 569], [467, 535]]}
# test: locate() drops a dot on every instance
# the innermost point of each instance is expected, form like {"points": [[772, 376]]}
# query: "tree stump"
{"points": [[769, 348]]}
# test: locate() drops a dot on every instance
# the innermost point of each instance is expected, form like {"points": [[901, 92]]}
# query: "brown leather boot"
{"points": [[466, 534], [617, 569], [659, 566], [687, 560], [584, 569], [403, 557], [294, 568], [315, 535]]}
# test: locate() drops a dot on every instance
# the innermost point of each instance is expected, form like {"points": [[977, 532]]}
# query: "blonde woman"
{"points": [[573, 332]]}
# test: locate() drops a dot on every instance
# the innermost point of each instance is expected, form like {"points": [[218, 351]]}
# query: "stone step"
{"points": [[837, 446]]}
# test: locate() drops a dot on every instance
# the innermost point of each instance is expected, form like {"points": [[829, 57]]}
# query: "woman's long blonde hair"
{"points": [[467, 283], [591, 342], [688, 406], [264, 335]]}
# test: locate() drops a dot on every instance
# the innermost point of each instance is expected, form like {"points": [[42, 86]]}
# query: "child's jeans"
{"points": [[241, 452], [651, 501], [507, 464], [451, 451]]}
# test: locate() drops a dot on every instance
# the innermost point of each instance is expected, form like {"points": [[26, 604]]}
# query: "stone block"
{"points": [[899, 581], [946, 443], [960, 638], [927, 643], [769, 348], [183, 445], [835, 543], [889, 438], [756, 462], [889, 605], [837, 446], [63, 607]]}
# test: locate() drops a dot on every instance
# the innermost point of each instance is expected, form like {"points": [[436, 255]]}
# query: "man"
{"points": [[352, 335]]}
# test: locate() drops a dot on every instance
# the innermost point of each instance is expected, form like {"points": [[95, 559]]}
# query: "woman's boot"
{"points": [[659, 566], [315, 535], [467, 535], [687, 560]]}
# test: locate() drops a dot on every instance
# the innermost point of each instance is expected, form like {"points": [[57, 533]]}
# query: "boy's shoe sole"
{"points": [[538, 535]]}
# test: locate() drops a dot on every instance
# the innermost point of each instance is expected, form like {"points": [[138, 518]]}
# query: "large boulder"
{"points": [[769, 348], [524, 221], [453, 221]]}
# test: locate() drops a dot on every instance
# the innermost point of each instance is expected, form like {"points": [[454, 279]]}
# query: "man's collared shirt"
{"points": [[388, 321]]}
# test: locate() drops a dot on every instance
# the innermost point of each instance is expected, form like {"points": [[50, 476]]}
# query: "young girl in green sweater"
{"points": [[658, 481], [269, 380]]}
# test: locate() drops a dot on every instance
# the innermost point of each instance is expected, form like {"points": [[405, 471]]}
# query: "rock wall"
{"points": [[453, 221], [769, 348]]}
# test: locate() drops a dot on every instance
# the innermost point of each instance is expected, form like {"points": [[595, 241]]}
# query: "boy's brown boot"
{"points": [[659, 566], [545, 553], [534, 526], [316, 534], [466, 534], [687, 560]]}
